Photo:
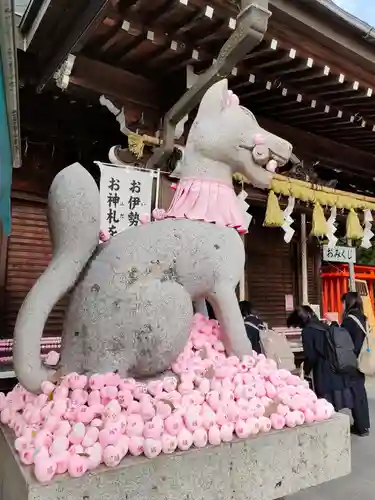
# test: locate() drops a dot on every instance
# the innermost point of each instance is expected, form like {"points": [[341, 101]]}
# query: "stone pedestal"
{"points": [[267, 467]]}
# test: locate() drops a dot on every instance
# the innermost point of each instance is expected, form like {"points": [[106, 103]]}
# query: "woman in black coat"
{"points": [[253, 325], [353, 308], [334, 387]]}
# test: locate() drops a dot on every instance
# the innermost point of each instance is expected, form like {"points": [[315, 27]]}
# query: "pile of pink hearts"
{"points": [[82, 422]]}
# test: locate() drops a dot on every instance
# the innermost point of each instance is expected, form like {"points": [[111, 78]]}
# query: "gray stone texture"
{"points": [[267, 467], [132, 309], [74, 223]]}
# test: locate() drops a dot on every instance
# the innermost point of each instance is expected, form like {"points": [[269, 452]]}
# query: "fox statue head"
{"points": [[229, 135]]}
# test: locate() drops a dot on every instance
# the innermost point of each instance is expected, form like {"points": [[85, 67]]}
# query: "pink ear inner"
{"points": [[230, 99], [235, 100]]}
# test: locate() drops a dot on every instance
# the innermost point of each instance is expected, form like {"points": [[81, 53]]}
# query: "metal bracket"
{"points": [[251, 26]]}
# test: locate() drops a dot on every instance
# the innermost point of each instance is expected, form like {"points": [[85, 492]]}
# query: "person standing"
{"points": [[253, 324], [355, 322], [328, 384]]}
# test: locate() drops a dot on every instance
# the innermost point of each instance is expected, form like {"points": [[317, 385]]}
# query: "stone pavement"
{"points": [[360, 485]]}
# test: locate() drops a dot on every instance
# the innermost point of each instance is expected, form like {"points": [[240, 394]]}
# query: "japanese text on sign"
{"points": [[339, 254], [125, 197]]}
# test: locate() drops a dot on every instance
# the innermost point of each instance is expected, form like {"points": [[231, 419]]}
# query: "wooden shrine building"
{"points": [[311, 81]]}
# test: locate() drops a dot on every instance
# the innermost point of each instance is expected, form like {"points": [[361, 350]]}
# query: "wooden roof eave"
{"points": [[77, 20], [314, 85], [330, 30], [324, 39], [335, 36]]}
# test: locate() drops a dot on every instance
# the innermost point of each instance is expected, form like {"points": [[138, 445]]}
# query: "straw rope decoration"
{"points": [[274, 214], [319, 196]]}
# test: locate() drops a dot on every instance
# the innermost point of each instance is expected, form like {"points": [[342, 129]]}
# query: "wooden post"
{"points": [[351, 272], [305, 294]]}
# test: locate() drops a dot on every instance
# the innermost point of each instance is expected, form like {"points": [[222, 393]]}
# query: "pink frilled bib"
{"points": [[206, 200]]}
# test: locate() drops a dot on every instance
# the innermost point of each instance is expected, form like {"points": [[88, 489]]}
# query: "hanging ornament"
{"points": [[319, 223], [288, 221], [367, 234], [354, 230], [136, 145], [244, 207], [331, 224], [274, 215]]}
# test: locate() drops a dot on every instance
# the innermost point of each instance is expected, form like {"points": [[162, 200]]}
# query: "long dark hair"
{"points": [[246, 308], [352, 302], [300, 317]]}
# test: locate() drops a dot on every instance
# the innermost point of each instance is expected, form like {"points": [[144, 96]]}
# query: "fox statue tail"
{"points": [[74, 224]]}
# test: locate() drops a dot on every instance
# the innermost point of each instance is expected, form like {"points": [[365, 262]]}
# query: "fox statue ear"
{"points": [[215, 99], [230, 99]]}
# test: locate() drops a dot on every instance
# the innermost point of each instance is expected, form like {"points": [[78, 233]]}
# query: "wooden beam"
{"points": [[79, 32], [118, 83], [347, 159], [24, 196]]}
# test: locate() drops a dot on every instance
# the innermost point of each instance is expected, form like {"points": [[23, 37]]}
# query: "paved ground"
{"points": [[360, 485]]}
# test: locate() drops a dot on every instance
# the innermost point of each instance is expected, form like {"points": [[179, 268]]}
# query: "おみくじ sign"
{"points": [[339, 254]]}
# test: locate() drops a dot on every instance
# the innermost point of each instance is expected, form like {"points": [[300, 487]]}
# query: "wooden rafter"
{"points": [[121, 84]]}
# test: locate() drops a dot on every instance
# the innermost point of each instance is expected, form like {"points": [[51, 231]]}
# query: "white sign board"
{"points": [[339, 254], [125, 197]]}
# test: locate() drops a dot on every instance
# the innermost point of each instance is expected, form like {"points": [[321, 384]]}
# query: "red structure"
{"points": [[335, 282]]}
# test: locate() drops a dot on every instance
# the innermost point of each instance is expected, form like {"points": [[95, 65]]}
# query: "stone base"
{"points": [[267, 467]]}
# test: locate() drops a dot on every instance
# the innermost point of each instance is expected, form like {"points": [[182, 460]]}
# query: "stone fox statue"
{"points": [[131, 303]]}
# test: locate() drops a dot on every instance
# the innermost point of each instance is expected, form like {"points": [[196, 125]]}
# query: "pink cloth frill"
{"points": [[207, 200]]}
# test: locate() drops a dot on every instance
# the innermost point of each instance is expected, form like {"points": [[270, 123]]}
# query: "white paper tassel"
{"points": [[331, 224], [288, 221], [244, 207], [367, 234]]}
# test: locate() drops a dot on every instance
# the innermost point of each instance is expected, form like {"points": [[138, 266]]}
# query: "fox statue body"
{"points": [[131, 303]]}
